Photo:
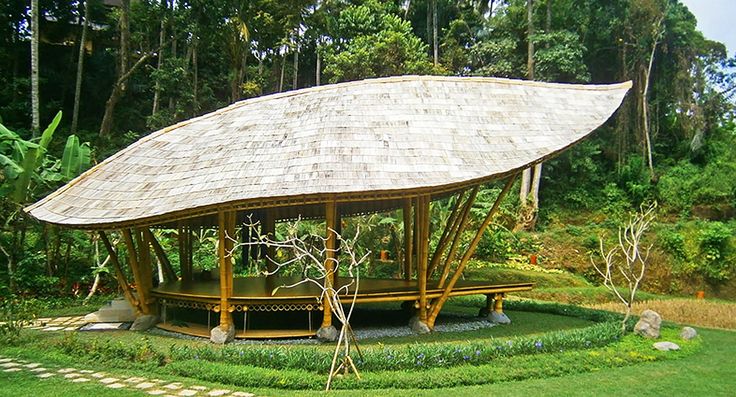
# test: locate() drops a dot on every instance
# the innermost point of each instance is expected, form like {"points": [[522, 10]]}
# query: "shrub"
{"points": [[15, 313], [715, 246]]}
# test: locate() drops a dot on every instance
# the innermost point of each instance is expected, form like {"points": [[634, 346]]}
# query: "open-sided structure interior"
{"points": [[327, 153]]}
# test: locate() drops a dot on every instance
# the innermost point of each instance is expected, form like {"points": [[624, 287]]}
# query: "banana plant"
{"points": [[76, 158]]}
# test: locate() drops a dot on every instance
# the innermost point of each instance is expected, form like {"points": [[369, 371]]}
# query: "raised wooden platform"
{"points": [[262, 294]]}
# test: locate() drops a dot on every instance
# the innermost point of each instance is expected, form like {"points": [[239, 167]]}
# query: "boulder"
{"points": [[666, 346], [144, 322], [220, 335], [327, 334], [688, 333], [499, 318], [419, 327], [648, 324]]}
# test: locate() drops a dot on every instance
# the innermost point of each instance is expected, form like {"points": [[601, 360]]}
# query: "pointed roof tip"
{"points": [[378, 139]]}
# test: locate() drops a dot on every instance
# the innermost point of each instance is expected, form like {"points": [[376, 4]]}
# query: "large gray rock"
{"points": [[115, 311], [419, 327], [499, 318], [220, 335], [144, 322], [648, 324], [688, 333], [327, 334], [666, 346]]}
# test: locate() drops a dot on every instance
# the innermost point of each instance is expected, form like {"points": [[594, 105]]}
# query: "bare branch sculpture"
{"points": [[311, 253], [628, 258]]}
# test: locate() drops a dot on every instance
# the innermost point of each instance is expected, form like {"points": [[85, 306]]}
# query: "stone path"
{"points": [[154, 387], [58, 323]]}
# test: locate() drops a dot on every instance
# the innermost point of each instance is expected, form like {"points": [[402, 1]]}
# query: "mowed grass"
{"points": [[706, 313]]}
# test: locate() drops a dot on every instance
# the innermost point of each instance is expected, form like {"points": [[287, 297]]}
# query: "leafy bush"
{"points": [[140, 352], [15, 313], [715, 246]]}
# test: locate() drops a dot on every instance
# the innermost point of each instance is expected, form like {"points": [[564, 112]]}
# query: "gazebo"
{"points": [[324, 152]]}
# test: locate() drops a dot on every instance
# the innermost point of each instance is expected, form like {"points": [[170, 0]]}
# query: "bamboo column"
{"points": [[268, 230], [408, 239], [140, 284], [185, 251], [226, 237], [170, 275], [437, 305], [327, 330], [422, 221], [119, 275], [458, 231]]}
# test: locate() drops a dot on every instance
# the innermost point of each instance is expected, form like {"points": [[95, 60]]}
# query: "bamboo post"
{"points": [[268, 229], [458, 235], [226, 234], [184, 238], [119, 275], [422, 220], [450, 225], [133, 262], [498, 303], [437, 305], [160, 255], [144, 260], [327, 331], [408, 239]]}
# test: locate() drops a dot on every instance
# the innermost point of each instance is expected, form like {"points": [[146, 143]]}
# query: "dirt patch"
{"points": [[688, 311]]}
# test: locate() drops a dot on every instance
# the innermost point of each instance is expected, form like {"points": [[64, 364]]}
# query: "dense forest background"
{"points": [[120, 69]]}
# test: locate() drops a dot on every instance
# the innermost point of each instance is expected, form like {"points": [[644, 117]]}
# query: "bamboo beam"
{"points": [[437, 305], [458, 236], [169, 272], [226, 232], [119, 275], [144, 259], [330, 260], [408, 239], [422, 221], [140, 289], [450, 225]]}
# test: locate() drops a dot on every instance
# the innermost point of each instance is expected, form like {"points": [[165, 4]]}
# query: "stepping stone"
{"points": [[135, 380], [52, 328], [242, 394], [80, 380], [217, 393], [145, 385], [9, 364], [108, 381], [156, 392], [199, 388], [14, 369], [5, 360], [99, 375], [70, 328], [188, 393], [72, 376], [45, 375], [66, 370], [173, 386], [39, 369], [85, 371], [33, 365], [116, 385]]}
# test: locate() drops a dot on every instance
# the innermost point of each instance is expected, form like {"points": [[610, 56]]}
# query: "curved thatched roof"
{"points": [[381, 138]]}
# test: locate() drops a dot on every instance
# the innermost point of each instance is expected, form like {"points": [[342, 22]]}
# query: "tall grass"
{"points": [[689, 311]]}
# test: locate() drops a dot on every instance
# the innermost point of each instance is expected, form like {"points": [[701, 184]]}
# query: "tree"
{"points": [[627, 259], [36, 123], [80, 67]]}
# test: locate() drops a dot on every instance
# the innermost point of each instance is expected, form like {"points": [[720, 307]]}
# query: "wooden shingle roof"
{"points": [[373, 139]]}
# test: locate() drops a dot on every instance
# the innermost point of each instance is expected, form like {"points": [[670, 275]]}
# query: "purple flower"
{"points": [[477, 352], [466, 358], [420, 356], [538, 344]]}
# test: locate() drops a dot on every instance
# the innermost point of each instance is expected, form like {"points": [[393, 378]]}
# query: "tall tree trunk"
{"points": [[80, 68], [283, 66], [548, 22], [195, 83], [11, 268], [35, 116], [645, 97], [160, 60], [318, 72], [530, 43], [121, 84], [435, 42], [429, 23], [294, 85]]}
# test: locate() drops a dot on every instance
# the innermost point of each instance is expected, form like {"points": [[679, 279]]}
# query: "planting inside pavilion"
{"points": [[328, 152]]}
